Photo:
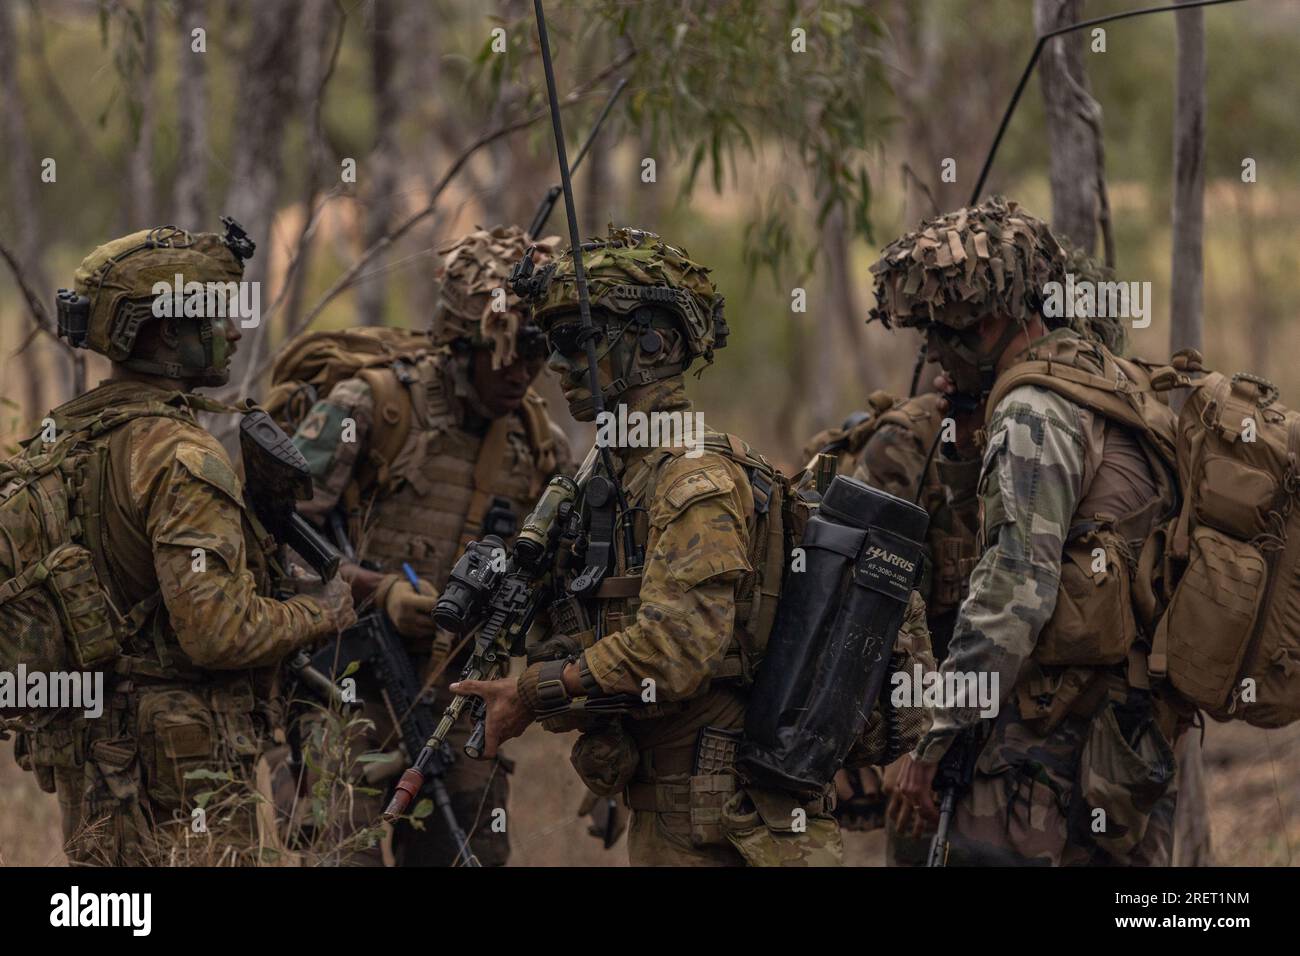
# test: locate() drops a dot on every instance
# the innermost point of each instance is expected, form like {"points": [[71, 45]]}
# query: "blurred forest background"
{"points": [[790, 141]]}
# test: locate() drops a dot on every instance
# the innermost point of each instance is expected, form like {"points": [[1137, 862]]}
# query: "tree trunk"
{"points": [[266, 92], [265, 97], [143, 207], [190, 202], [382, 166], [318, 31], [1187, 277], [1073, 128], [23, 181]]}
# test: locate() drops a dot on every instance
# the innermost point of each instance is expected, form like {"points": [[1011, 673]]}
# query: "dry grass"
{"points": [[1250, 798]]}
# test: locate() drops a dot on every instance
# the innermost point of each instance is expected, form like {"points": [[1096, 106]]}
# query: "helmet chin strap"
{"points": [[206, 374], [985, 365], [624, 354]]}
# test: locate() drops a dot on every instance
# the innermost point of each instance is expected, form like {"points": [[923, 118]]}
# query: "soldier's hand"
{"points": [[608, 817], [411, 611], [507, 714], [336, 600], [915, 787]]}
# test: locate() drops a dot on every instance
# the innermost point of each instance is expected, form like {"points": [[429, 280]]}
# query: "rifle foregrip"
{"points": [[477, 741], [411, 783]]}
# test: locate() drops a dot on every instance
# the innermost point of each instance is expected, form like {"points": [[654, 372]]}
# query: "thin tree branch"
{"points": [[349, 277], [40, 315]]}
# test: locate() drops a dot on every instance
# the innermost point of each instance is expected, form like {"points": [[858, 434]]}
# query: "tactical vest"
{"points": [[773, 525], [950, 539], [1093, 624], [442, 483]]}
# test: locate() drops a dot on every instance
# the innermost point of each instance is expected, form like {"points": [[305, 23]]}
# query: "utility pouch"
{"points": [[176, 737], [774, 828], [1093, 623], [1124, 778], [712, 783], [606, 759]]}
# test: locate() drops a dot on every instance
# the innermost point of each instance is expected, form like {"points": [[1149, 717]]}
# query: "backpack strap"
{"points": [[537, 428], [390, 388], [491, 454]]}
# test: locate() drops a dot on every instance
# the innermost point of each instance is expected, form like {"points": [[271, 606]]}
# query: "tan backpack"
{"points": [[1216, 587], [314, 363], [383, 357], [56, 610]]}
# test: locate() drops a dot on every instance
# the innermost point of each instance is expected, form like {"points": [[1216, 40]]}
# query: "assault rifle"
{"points": [[372, 642], [951, 780], [499, 593]]}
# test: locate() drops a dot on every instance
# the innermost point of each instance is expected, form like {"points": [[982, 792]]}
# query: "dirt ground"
{"points": [[1253, 778]]}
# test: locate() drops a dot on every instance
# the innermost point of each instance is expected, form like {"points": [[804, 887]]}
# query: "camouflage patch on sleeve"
{"points": [[320, 438]]}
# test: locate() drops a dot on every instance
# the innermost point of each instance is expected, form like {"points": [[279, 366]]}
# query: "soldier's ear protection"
{"points": [[73, 317]]}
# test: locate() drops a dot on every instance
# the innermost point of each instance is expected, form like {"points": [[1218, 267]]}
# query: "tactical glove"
{"points": [[410, 611]]}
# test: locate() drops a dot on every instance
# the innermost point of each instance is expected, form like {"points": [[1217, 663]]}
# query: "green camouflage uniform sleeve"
{"points": [[1031, 484], [193, 500], [893, 461], [320, 438], [697, 549]]}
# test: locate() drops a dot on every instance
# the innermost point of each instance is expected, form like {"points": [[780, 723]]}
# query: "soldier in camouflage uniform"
{"points": [[674, 641], [1055, 476], [479, 451], [195, 687]]}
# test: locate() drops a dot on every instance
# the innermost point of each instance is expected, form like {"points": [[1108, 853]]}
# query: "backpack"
{"points": [[56, 613], [1215, 587], [383, 357], [313, 364]]}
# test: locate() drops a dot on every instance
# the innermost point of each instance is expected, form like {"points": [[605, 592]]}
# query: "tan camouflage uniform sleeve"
{"points": [[320, 439], [893, 461], [1031, 484], [194, 501], [696, 551]]}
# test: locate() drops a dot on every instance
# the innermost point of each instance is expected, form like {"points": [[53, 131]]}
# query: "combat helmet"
{"points": [[113, 294], [473, 278], [634, 279], [989, 259]]}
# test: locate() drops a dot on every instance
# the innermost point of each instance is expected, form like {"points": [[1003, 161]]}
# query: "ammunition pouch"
{"points": [[606, 759], [1093, 624]]}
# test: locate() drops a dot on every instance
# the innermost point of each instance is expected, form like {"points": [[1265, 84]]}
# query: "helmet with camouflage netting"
{"points": [[113, 295], [476, 306], [992, 258], [634, 279]]}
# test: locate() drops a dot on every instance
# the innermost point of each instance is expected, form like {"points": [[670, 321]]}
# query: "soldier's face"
{"points": [[503, 389], [568, 361]]}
